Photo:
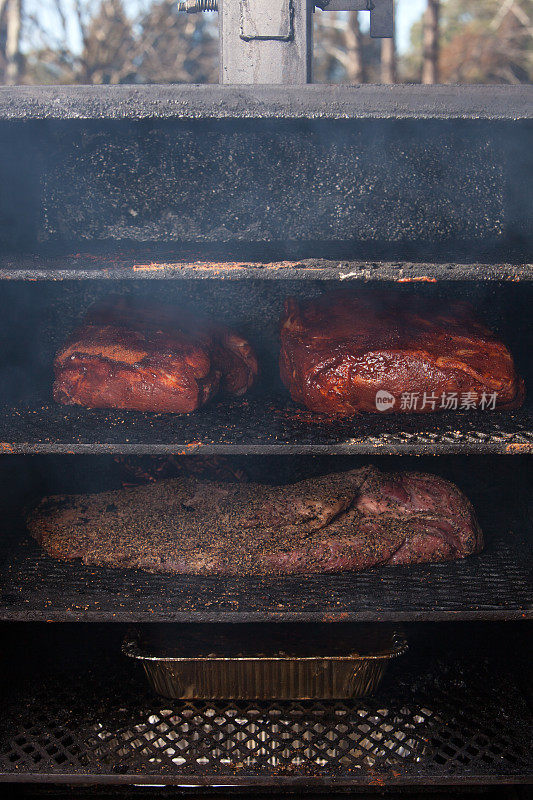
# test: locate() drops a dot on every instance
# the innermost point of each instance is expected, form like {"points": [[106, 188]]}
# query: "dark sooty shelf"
{"points": [[260, 426], [156, 265], [494, 585], [437, 719]]}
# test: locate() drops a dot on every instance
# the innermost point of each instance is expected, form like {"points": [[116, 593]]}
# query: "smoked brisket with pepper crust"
{"points": [[339, 522]]}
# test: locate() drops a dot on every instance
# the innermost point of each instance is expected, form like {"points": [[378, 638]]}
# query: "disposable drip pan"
{"points": [[266, 661]]}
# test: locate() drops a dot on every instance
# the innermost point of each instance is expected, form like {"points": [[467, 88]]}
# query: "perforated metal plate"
{"points": [[445, 722]]}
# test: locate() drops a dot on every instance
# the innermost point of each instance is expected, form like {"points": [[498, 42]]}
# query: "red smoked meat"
{"points": [[150, 359], [339, 351]]}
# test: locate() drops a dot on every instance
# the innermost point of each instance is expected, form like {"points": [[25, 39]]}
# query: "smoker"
{"points": [[230, 198]]}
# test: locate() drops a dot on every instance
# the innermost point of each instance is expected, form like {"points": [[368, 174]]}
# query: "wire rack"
{"points": [[493, 585], [434, 722], [268, 425]]}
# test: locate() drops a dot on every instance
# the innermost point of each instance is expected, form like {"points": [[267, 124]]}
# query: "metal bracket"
{"points": [[382, 19], [345, 5], [272, 21], [271, 41], [381, 13]]}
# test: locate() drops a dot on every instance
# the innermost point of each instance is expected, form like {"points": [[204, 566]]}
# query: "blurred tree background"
{"points": [[148, 41]]}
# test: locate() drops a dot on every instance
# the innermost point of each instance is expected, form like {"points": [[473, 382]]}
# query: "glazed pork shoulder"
{"points": [[150, 359], [338, 352], [335, 523]]}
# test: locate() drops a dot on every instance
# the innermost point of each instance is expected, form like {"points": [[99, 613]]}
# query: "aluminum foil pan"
{"points": [[348, 666]]}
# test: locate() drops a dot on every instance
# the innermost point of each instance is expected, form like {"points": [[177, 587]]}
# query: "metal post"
{"points": [[271, 41], [266, 41]]}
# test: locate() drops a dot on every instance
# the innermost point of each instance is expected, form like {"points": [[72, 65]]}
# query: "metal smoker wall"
{"points": [[398, 188]]}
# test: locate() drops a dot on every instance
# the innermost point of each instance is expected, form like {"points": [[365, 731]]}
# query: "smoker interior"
{"points": [[101, 185], [37, 316], [493, 585], [453, 710], [410, 188], [75, 712]]}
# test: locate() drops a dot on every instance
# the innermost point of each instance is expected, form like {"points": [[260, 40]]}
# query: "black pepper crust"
{"points": [[338, 522]]}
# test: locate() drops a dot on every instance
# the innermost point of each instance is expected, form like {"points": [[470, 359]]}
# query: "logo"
{"points": [[384, 400]]}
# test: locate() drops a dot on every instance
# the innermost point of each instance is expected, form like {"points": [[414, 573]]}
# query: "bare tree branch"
{"points": [[355, 70], [13, 54], [388, 61], [430, 65]]}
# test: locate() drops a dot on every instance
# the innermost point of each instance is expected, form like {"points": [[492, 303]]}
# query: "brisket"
{"points": [[344, 521]]}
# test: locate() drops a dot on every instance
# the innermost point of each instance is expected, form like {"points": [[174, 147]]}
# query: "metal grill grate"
{"points": [[493, 585], [445, 727], [260, 426]]}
